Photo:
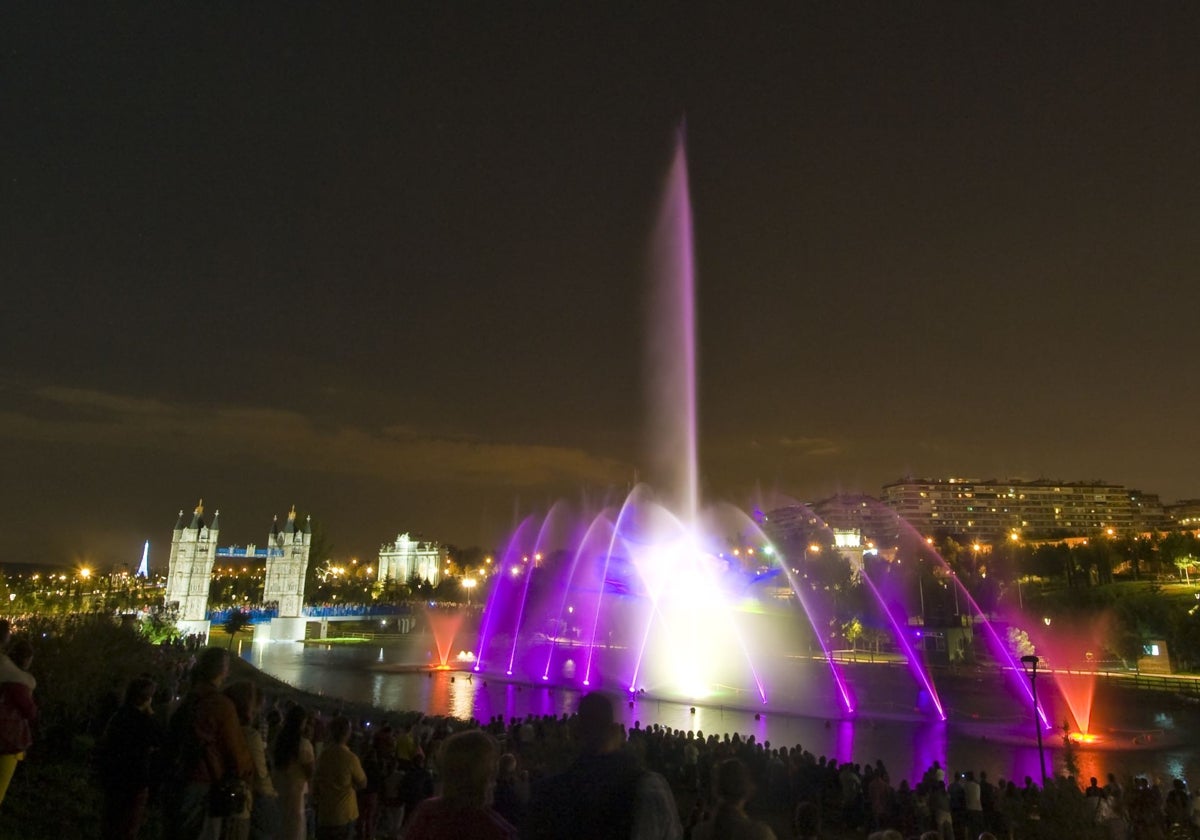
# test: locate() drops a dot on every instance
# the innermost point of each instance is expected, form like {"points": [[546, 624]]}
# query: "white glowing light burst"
{"points": [[689, 637]]}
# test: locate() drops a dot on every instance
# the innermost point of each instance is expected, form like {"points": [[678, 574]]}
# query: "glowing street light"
{"points": [[811, 548], [1030, 664], [469, 584]]}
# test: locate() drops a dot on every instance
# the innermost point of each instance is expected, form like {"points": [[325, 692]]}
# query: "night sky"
{"points": [[390, 265]]}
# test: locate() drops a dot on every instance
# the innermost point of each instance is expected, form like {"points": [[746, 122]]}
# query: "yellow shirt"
{"points": [[338, 774]]}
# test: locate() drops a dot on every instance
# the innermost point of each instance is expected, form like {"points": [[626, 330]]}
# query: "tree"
{"points": [[874, 637], [449, 589], [1018, 643], [158, 628], [1174, 545], [1049, 561], [1185, 564], [320, 550], [236, 623], [853, 631]]}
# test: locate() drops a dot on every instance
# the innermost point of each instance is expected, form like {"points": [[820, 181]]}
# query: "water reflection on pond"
{"points": [[972, 739]]}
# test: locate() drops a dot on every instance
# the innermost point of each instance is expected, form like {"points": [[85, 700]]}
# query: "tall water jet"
{"points": [[645, 598], [671, 345]]}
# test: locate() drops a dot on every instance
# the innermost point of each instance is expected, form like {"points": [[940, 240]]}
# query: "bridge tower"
{"points": [[189, 570], [287, 566]]}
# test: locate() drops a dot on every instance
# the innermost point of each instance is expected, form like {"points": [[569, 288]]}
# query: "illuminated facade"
{"points": [[189, 570], [407, 558], [287, 564], [798, 524], [993, 509]]}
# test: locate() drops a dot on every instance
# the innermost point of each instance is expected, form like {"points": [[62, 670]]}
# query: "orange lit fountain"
{"points": [[444, 625]]}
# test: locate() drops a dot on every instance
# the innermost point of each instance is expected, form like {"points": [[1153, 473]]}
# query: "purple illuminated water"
{"points": [[997, 647], [671, 346], [647, 598], [914, 664]]}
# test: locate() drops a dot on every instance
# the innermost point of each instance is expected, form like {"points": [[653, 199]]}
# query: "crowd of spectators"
{"points": [[307, 774], [191, 754]]}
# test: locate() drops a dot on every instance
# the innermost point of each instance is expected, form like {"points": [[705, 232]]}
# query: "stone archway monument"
{"points": [[189, 573], [287, 566]]}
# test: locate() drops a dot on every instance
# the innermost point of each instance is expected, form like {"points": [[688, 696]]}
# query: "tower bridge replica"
{"points": [[194, 549]]}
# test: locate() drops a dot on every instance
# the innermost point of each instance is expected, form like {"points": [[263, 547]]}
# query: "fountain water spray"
{"points": [[649, 600]]}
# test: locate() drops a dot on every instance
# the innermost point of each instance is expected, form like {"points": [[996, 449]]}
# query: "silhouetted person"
{"points": [[729, 822], [125, 754], [605, 794], [468, 762]]}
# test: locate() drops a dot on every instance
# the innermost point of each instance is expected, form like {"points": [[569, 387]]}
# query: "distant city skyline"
{"points": [[390, 265], [366, 551]]}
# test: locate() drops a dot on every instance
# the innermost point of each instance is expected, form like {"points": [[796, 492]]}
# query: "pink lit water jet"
{"points": [[1064, 647], [444, 625], [671, 345], [647, 599], [998, 647], [914, 664], [657, 573]]}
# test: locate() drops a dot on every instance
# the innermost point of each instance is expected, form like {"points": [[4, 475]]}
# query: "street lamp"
{"points": [[1030, 664], [811, 548], [468, 584]]}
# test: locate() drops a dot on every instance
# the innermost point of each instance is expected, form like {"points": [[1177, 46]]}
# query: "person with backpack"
{"points": [[207, 752]]}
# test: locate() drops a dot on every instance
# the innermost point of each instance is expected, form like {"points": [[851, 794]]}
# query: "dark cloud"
{"points": [[389, 263], [812, 447], [88, 419]]}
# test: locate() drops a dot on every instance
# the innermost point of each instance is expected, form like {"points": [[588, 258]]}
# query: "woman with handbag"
{"points": [[207, 753], [258, 818], [18, 712]]}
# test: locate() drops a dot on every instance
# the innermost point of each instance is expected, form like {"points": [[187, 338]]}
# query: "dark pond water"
{"points": [[988, 727]]}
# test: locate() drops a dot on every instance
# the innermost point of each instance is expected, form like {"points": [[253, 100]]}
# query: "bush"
{"points": [[82, 665]]}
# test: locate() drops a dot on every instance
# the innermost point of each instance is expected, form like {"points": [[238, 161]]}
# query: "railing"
{"points": [[256, 615], [355, 610], [313, 636], [1176, 684], [316, 611]]}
